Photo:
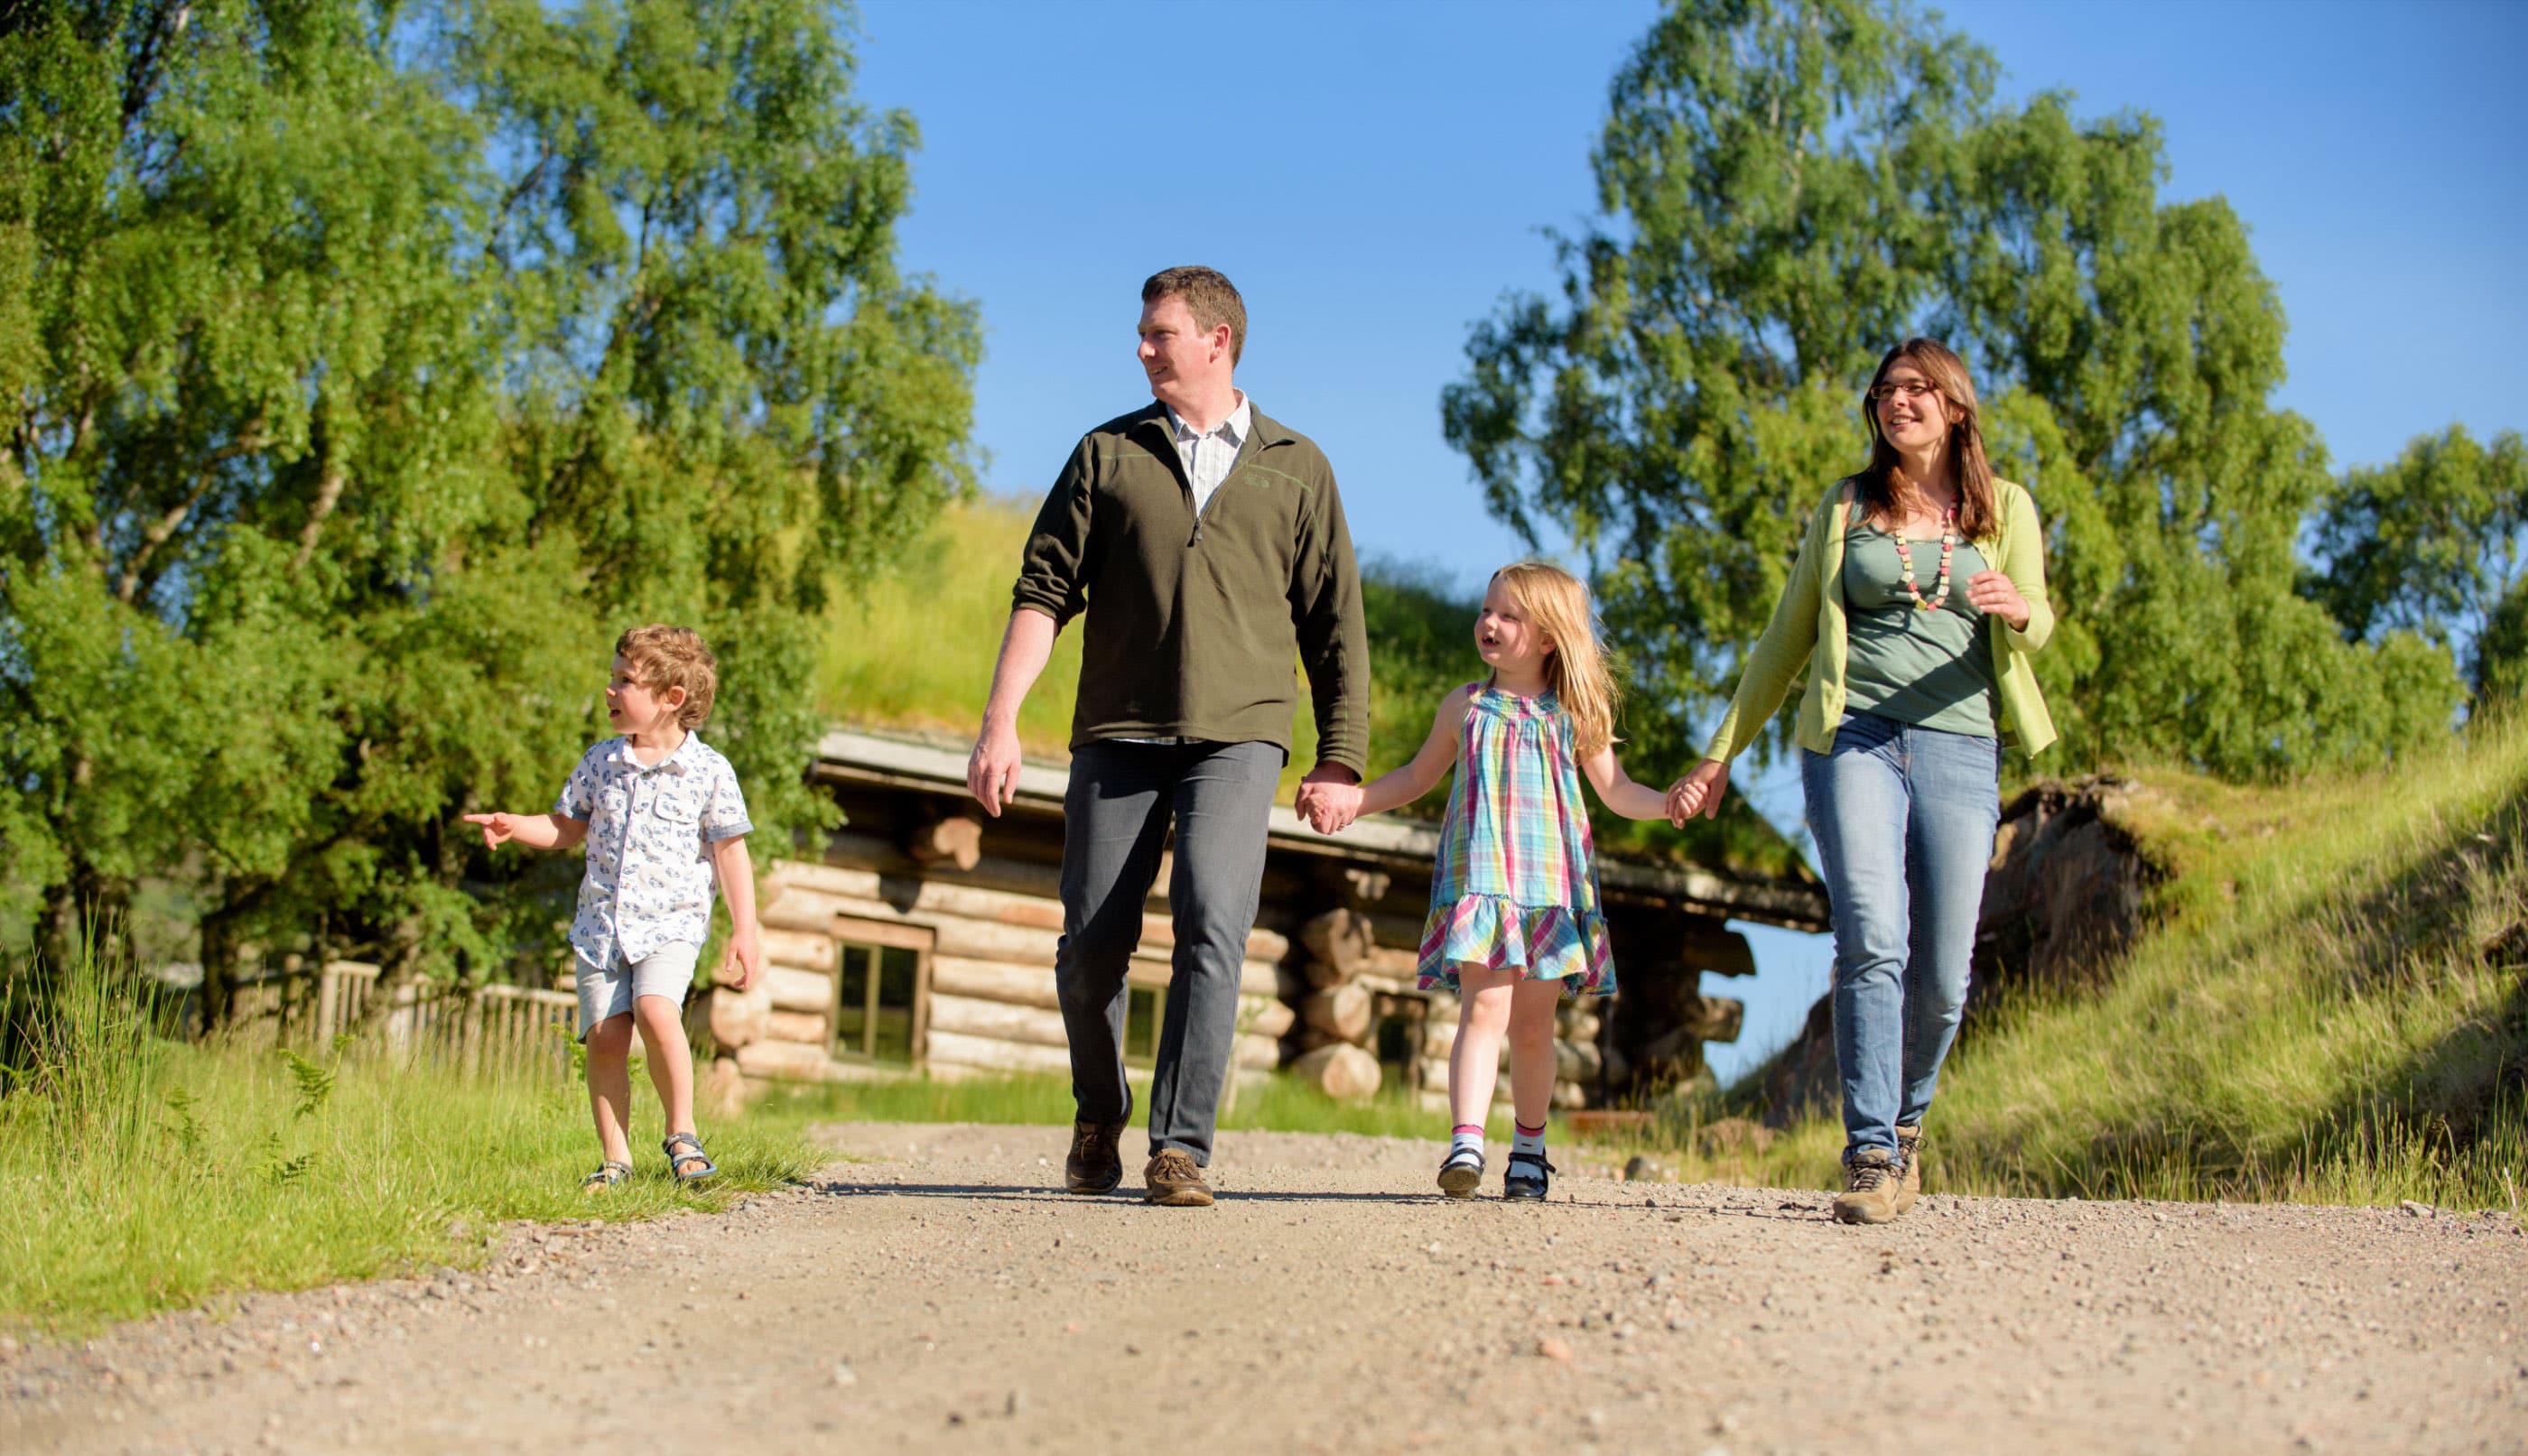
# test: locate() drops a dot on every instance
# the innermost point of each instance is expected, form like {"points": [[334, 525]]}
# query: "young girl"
{"points": [[1514, 914]]}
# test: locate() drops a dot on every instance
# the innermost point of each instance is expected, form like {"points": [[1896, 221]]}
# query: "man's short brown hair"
{"points": [[1209, 296], [664, 658]]}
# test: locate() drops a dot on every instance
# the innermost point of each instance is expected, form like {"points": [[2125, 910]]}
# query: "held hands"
{"points": [[1329, 799], [1698, 793], [1995, 593]]}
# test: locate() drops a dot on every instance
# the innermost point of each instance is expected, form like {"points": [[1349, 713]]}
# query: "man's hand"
{"points": [[743, 955], [1698, 793], [992, 773], [498, 829]]}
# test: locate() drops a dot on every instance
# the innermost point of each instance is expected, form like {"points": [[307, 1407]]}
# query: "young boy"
{"points": [[661, 815]]}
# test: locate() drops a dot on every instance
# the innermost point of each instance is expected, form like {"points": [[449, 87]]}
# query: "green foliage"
{"points": [[367, 369], [315, 1083], [1790, 187], [2435, 544], [2502, 649]]}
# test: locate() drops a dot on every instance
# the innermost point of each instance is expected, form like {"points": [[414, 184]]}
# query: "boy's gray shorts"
{"points": [[608, 991]]}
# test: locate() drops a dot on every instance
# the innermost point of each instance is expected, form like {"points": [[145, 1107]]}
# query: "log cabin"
{"points": [[921, 940]]}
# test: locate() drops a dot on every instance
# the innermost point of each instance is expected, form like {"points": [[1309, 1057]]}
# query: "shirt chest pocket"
{"points": [[678, 809]]}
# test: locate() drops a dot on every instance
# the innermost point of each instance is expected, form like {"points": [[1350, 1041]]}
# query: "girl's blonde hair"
{"points": [[1576, 669]]}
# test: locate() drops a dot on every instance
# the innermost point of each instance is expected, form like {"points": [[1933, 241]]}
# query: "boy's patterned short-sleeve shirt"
{"points": [[649, 826]]}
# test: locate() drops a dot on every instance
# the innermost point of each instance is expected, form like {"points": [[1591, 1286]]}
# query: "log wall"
{"points": [[988, 1004]]}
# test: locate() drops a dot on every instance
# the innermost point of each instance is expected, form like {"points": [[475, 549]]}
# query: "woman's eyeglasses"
{"points": [[1911, 389]]}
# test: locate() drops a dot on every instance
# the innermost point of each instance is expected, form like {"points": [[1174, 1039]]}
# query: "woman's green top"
{"points": [[1810, 630], [1932, 669]]}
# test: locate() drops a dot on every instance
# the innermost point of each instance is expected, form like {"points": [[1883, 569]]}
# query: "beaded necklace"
{"points": [[1948, 546]]}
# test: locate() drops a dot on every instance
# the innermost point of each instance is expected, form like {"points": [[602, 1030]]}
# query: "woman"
{"points": [[1919, 591]]}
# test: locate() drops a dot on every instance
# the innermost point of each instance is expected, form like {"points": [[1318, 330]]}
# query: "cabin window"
{"points": [[881, 991]]}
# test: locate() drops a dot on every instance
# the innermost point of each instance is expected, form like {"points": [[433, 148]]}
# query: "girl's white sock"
{"points": [[1466, 1137], [1529, 1140]]}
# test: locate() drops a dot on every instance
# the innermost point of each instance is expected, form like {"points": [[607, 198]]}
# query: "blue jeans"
{"points": [[1904, 818]]}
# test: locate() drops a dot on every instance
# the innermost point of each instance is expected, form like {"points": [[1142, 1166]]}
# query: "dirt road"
{"points": [[944, 1295]]}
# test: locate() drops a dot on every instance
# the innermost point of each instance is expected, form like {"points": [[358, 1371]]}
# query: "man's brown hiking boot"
{"points": [[1869, 1182], [1094, 1165], [1908, 1153], [1173, 1180]]}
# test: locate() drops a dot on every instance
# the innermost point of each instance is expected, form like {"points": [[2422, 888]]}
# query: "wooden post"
{"points": [[469, 1053], [328, 1004], [401, 1015]]}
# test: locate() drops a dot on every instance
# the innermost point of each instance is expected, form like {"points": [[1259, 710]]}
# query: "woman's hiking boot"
{"points": [[1870, 1181], [1174, 1180], [1094, 1164], [1908, 1153]]}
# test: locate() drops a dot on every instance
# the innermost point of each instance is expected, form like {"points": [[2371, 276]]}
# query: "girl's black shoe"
{"points": [[1516, 1183]]}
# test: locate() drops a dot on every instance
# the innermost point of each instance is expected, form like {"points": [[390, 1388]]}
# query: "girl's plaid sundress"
{"points": [[1515, 886]]}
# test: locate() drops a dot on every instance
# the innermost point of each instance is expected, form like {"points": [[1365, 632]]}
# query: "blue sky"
{"points": [[1376, 176]]}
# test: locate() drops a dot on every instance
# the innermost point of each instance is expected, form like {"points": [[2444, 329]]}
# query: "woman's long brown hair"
{"points": [[1885, 492]]}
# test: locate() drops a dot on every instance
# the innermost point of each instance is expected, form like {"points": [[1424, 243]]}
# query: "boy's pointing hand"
{"points": [[498, 829]]}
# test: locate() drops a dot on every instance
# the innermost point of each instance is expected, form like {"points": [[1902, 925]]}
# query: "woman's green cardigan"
{"points": [[1811, 616]]}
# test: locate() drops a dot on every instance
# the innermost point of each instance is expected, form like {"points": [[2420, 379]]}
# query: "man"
{"points": [[1207, 547]]}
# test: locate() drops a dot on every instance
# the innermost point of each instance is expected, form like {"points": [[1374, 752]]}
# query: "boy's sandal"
{"points": [[692, 1153], [1462, 1173], [606, 1177]]}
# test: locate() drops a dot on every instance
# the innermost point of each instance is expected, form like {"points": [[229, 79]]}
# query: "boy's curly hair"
{"points": [[664, 658]]}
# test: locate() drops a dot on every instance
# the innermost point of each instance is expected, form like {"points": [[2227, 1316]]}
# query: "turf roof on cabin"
{"points": [[912, 653]]}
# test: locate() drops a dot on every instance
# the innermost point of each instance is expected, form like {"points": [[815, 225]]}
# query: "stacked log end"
{"points": [[1333, 1012]]}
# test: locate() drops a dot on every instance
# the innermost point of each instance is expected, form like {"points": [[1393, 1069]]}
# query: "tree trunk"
{"points": [[218, 994]]}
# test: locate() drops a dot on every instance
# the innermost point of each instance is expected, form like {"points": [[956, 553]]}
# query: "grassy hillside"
{"points": [[2332, 1006], [913, 649]]}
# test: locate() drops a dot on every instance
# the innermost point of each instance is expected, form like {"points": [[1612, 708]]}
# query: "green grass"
{"points": [[2314, 1016], [144, 1174]]}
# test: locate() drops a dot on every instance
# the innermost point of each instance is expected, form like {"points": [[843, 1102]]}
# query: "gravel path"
{"points": [[939, 1293]]}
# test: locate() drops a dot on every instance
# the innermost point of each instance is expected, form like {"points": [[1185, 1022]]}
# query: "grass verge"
{"points": [[2331, 1006], [144, 1174]]}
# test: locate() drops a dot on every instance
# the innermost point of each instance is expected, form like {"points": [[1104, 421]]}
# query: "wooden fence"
{"points": [[494, 1027]]}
